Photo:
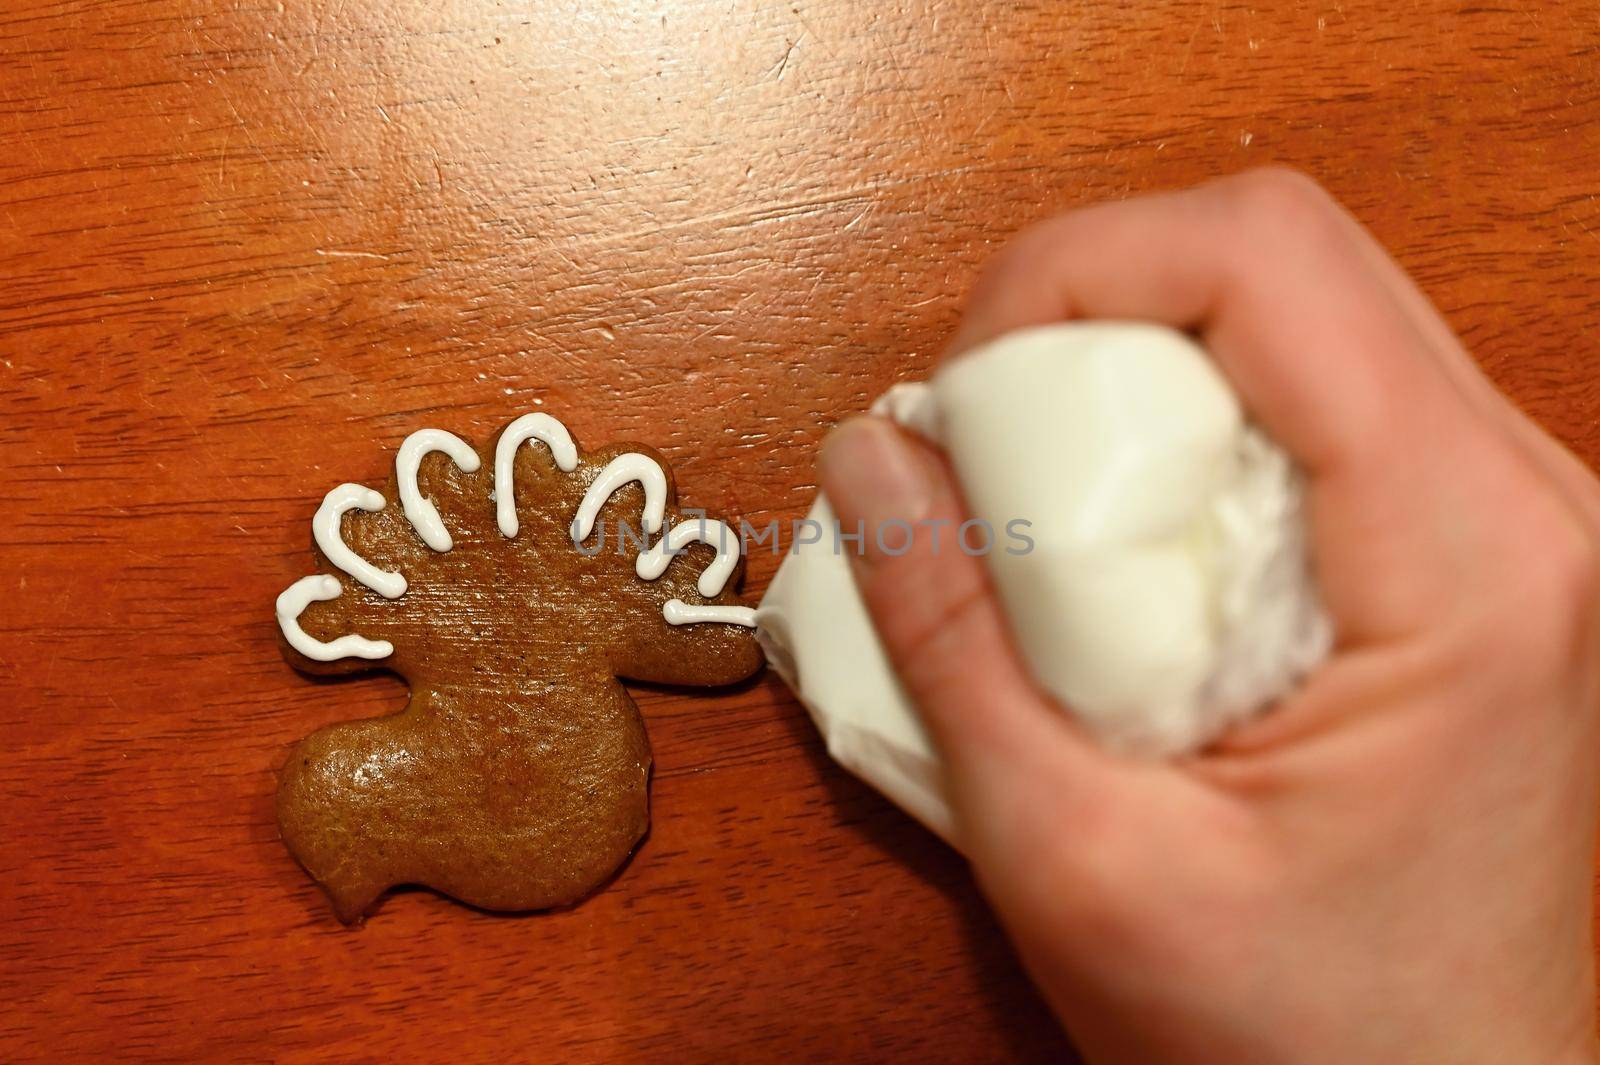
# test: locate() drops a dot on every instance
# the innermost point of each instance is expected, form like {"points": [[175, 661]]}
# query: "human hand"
{"points": [[1396, 864]]}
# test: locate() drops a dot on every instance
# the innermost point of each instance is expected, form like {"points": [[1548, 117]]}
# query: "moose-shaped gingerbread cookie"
{"points": [[511, 589]]}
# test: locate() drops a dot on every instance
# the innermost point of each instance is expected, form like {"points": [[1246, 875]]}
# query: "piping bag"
{"points": [[1146, 542]]}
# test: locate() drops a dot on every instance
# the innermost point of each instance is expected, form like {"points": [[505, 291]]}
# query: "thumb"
{"points": [[941, 626]]}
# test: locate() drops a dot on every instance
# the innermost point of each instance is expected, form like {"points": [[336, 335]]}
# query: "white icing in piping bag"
{"points": [[1167, 594]]}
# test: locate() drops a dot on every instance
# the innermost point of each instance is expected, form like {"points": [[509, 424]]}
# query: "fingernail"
{"points": [[872, 475]]}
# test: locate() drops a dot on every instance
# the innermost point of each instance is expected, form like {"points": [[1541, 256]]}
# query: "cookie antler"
{"points": [[292, 602], [654, 562], [624, 469], [422, 514], [528, 427]]}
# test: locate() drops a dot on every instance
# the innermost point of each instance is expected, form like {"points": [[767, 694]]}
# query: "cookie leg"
{"points": [[337, 816], [353, 897]]}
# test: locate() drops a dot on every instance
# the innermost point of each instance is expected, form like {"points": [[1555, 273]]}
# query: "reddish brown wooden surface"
{"points": [[245, 247]]}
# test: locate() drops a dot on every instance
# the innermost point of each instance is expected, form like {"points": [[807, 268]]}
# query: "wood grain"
{"points": [[247, 246]]}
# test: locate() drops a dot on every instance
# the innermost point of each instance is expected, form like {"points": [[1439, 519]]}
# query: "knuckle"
{"points": [[1567, 567], [1557, 564], [1019, 259], [1280, 200], [929, 643], [1587, 488]]}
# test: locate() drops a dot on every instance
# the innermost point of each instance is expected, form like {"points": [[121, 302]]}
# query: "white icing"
{"points": [[422, 514], [677, 612], [539, 427], [1168, 592], [618, 472], [654, 562], [424, 518], [651, 564], [325, 527], [292, 602]]}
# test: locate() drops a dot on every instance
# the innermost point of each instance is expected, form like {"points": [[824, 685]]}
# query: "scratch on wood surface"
{"points": [[334, 254], [782, 66]]}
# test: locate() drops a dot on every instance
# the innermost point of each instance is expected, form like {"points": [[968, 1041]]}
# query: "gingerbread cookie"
{"points": [[511, 588]]}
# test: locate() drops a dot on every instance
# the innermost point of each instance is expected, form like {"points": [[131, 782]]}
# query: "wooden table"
{"points": [[247, 246]]}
